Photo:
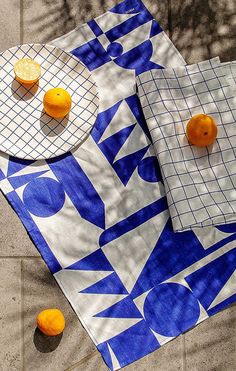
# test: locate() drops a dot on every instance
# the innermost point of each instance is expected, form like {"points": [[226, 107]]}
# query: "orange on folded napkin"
{"points": [[201, 130]]}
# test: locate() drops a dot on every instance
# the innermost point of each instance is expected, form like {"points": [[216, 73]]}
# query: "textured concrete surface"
{"points": [[200, 29], [10, 315], [212, 344], [41, 291]]}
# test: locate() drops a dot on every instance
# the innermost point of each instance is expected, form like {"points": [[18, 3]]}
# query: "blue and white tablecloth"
{"points": [[99, 215]]}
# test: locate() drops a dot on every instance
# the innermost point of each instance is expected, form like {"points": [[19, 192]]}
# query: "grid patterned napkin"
{"points": [[200, 183]]}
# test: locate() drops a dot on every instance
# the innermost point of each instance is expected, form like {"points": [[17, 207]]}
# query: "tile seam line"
{"points": [[21, 21], [83, 360], [20, 257], [169, 15], [184, 353], [22, 315]]}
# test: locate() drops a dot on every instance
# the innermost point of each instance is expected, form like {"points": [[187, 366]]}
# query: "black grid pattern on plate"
{"points": [[25, 130], [200, 183]]}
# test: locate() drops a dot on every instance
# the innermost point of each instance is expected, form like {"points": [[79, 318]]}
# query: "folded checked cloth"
{"points": [[99, 216], [200, 182]]}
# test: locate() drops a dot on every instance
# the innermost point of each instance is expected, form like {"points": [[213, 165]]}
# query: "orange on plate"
{"points": [[27, 71], [57, 102], [201, 130], [51, 322]]}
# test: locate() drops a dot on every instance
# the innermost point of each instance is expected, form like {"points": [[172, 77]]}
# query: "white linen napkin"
{"points": [[200, 183]]}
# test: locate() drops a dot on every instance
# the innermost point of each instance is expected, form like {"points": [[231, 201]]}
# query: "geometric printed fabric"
{"points": [[99, 215]]}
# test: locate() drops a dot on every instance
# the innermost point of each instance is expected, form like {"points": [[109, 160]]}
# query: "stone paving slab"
{"points": [[203, 29], [10, 315], [14, 240], [212, 344], [9, 24], [41, 292]]}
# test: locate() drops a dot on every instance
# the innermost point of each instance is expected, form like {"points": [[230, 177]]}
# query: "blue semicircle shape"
{"points": [[170, 309], [149, 169], [43, 197]]}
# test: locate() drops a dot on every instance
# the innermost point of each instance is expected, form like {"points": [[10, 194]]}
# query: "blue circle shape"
{"points": [[227, 228], [170, 309], [44, 197], [149, 169], [115, 49]]}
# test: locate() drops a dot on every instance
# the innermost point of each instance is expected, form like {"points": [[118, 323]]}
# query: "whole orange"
{"points": [[51, 322], [201, 130], [27, 71], [57, 102]]}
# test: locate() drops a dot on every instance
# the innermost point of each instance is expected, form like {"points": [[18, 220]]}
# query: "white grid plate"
{"points": [[26, 131]]}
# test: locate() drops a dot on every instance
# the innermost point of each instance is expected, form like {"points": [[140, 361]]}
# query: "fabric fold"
{"points": [[200, 182]]}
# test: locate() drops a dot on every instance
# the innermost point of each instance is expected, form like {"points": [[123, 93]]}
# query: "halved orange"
{"points": [[201, 130], [27, 71]]}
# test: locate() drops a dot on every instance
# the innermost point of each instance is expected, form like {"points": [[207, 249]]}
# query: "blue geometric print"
{"points": [[16, 165], [132, 221], [123, 309], [134, 343], [43, 197], [112, 145], [109, 285], [99, 215], [170, 309], [18, 181], [206, 282], [97, 261], [85, 198], [149, 169]]}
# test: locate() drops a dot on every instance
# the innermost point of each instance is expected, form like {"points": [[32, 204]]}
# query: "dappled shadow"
{"points": [[203, 29], [61, 16], [200, 29]]}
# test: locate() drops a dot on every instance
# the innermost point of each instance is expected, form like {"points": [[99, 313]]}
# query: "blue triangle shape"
{"points": [[126, 165], [136, 108], [97, 261], [104, 350], [123, 309], [103, 120], [108, 285], [155, 29], [18, 181], [111, 146], [16, 164], [172, 253], [207, 282]]}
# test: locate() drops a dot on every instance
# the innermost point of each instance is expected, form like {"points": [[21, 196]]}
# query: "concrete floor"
{"points": [[200, 29]]}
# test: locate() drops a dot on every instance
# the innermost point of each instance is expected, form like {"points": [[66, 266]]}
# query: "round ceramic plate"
{"points": [[26, 131]]}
